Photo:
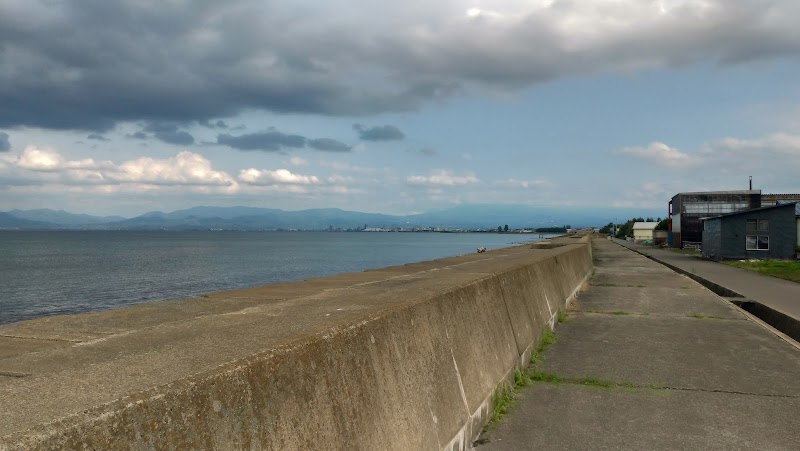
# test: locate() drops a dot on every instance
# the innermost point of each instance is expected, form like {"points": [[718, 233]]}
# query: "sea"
{"points": [[67, 272]]}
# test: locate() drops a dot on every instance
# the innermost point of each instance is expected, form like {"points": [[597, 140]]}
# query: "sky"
{"points": [[128, 106]]}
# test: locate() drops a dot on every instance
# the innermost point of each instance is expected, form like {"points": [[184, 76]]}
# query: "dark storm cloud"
{"points": [[178, 137], [271, 141], [137, 135], [169, 133], [92, 63], [97, 137], [5, 144], [329, 145], [214, 124], [379, 133]]}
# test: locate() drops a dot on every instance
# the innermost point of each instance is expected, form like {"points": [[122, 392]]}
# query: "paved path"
{"points": [[650, 359], [781, 295]]}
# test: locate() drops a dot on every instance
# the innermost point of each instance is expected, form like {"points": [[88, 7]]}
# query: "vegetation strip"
{"points": [[782, 269], [552, 378], [505, 394]]}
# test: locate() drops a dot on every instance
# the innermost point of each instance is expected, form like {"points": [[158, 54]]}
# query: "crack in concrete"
{"points": [[555, 379], [20, 337], [15, 374], [732, 392]]}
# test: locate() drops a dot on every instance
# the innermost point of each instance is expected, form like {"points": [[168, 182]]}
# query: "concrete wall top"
{"points": [[62, 372]]}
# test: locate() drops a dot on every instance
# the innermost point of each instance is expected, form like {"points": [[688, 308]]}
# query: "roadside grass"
{"points": [[505, 395], [782, 269]]}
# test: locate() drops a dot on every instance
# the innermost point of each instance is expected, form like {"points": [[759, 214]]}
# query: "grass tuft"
{"points": [[782, 269], [503, 399], [521, 379], [543, 376]]}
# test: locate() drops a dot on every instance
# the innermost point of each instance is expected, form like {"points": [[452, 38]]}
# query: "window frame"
{"points": [[753, 242]]}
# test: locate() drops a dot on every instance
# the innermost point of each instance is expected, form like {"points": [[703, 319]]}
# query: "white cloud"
{"points": [[277, 177], [338, 179], [778, 143], [773, 161], [526, 184], [442, 178], [297, 161], [185, 168], [660, 154], [347, 167], [36, 159]]}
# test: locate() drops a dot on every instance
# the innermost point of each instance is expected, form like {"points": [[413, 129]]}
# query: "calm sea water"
{"points": [[50, 273]]}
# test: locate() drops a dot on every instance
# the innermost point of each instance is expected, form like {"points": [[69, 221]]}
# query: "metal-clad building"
{"points": [[762, 233], [687, 209], [768, 200]]}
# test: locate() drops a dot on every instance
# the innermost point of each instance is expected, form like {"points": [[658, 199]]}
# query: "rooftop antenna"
{"points": [[751, 183]]}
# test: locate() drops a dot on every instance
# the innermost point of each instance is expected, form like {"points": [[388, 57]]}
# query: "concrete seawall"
{"points": [[403, 357]]}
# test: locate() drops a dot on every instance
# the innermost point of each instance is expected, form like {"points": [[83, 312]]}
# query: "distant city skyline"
{"points": [[128, 106]]}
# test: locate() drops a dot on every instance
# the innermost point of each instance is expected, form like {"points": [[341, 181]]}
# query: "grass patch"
{"points": [[552, 378], [503, 399], [543, 376], [561, 317], [521, 379], [504, 395], [547, 339], [782, 269]]}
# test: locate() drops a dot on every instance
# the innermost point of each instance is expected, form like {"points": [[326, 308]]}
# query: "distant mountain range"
{"points": [[249, 218]]}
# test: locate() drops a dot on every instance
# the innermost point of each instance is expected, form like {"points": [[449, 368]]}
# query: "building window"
{"points": [[757, 243], [757, 226]]}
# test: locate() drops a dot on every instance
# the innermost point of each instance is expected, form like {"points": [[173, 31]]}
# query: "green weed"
{"points": [[503, 399], [782, 269]]}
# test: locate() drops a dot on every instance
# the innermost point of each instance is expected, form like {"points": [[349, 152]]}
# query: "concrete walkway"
{"points": [[650, 359], [781, 295]]}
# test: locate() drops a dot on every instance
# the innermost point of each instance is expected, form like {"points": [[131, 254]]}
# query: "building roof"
{"points": [[796, 210], [644, 225], [743, 191]]}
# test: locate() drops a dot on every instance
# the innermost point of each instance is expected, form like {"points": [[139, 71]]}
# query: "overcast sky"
{"points": [[128, 106]]}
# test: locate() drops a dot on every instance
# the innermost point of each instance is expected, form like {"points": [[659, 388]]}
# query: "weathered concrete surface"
{"points": [[649, 359], [405, 357], [781, 295], [575, 417]]}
